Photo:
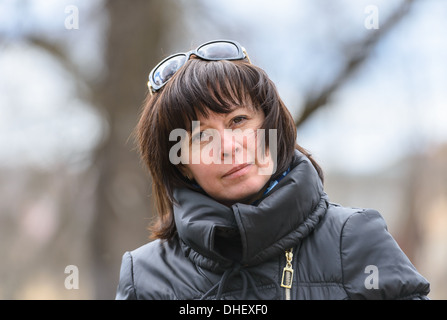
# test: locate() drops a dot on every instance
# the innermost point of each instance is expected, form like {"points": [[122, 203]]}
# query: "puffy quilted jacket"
{"points": [[294, 244]]}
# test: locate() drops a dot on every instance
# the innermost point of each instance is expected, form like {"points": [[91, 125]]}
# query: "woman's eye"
{"points": [[239, 119], [200, 136]]}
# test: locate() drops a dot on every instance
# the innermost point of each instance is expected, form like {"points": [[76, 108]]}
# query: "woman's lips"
{"points": [[237, 171]]}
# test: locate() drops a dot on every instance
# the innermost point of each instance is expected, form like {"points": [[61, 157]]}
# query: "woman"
{"points": [[242, 213]]}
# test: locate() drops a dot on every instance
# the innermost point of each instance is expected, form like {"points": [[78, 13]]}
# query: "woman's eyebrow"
{"points": [[204, 121]]}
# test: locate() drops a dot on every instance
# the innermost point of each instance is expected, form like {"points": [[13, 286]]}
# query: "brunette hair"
{"points": [[201, 87]]}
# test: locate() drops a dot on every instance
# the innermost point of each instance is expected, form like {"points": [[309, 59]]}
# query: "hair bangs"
{"points": [[213, 87]]}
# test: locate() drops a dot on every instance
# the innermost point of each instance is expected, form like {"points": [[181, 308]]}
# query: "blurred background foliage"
{"points": [[369, 103]]}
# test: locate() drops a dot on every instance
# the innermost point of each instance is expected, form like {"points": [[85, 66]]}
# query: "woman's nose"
{"points": [[230, 146]]}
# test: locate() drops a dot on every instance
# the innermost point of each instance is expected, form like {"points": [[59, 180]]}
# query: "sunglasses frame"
{"points": [[242, 54]]}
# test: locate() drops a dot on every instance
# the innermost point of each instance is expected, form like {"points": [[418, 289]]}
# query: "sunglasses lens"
{"points": [[167, 69], [219, 50]]}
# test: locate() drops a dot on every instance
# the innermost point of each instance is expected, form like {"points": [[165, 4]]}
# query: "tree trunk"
{"points": [[123, 206]]}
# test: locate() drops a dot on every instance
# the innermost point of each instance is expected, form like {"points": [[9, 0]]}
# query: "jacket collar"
{"points": [[215, 236]]}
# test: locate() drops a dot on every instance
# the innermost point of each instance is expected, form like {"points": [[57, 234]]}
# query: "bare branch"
{"points": [[359, 54]]}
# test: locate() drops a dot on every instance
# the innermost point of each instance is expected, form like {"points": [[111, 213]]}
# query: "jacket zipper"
{"points": [[287, 274]]}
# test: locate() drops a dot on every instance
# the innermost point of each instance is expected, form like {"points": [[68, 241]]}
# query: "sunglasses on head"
{"points": [[211, 51]]}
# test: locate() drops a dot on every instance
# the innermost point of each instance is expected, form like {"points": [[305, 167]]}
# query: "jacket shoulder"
{"points": [[157, 271], [337, 215], [373, 265]]}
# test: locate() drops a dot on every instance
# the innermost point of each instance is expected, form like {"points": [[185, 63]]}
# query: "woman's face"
{"points": [[226, 155]]}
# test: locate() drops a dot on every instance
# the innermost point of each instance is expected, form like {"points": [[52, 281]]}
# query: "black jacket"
{"points": [[240, 252]]}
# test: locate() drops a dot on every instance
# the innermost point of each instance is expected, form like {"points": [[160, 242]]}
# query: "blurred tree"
{"points": [[137, 29], [357, 55]]}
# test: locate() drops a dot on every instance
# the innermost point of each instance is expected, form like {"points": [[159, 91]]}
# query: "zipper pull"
{"points": [[287, 272]]}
